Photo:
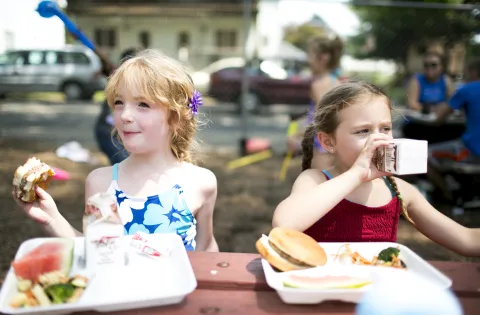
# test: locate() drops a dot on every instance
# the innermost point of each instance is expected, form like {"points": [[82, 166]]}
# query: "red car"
{"points": [[268, 84]]}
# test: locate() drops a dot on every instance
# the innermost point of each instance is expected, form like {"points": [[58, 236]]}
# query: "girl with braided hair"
{"points": [[353, 201]]}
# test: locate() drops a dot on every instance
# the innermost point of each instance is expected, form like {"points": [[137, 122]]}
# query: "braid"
{"points": [[392, 182], [307, 147]]}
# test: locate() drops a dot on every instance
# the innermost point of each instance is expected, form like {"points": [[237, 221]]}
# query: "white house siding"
{"points": [[164, 32]]}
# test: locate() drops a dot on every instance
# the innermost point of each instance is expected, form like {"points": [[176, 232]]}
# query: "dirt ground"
{"points": [[246, 199]]}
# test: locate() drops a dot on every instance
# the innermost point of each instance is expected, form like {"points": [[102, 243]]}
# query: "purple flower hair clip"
{"points": [[195, 102]]}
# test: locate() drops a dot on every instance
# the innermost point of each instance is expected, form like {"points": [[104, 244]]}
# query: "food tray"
{"points": [[416, 265], [141, 283]]}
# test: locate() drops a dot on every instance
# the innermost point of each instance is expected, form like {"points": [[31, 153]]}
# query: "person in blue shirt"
{"points": [[428, 90], [467, 147]]}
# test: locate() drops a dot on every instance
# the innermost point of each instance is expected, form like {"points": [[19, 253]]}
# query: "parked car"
{"points": [[268, 84], [201, 78], [72, 70]]}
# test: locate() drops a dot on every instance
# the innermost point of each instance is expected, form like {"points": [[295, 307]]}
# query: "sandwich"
{"points": [[287, 249], [26, 177]]}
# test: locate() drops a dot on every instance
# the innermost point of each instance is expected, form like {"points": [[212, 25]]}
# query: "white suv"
{"points": [[74, 70]]}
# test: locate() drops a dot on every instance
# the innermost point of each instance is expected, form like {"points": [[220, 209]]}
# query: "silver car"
{"points": [[73, 70]]}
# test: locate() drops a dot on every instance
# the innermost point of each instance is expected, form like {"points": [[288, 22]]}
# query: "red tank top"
{"points": [[352, 222]]}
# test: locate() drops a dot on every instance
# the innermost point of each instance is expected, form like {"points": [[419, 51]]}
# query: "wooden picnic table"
{"points": [[234, 283], [454, 119]]}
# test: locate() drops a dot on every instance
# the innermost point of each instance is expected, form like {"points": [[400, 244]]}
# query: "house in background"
{"points": [[196, 32]]}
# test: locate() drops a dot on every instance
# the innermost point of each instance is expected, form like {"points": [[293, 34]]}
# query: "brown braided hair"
{"points": [[325, 119], [392, 182]]}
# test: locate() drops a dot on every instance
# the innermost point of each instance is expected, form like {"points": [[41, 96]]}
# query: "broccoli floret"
{"points": [[60, 293], [386, 254]]}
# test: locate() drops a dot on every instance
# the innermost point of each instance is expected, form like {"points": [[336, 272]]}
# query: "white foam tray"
{"points": [[416, 265], [140, 284]]}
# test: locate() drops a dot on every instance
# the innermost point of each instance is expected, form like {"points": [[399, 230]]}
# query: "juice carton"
{"points": [[402, 157]]}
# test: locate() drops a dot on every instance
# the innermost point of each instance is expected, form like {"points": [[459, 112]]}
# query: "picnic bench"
{"points": [[234, 283]]}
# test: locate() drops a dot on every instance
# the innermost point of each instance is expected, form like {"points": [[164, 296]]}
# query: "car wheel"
{"points": [[73, 91]]}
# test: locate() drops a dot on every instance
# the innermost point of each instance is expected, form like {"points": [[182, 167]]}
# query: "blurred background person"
{"points": [[107, 143], [466, 148], [324, 56], [427, 90]]}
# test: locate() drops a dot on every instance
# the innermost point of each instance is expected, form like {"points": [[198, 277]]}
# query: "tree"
{"points": [[395, 29], [300, 35]]}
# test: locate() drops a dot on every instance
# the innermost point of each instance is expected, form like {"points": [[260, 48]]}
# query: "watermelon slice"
{"points": [[325, 282], [53, 255]]}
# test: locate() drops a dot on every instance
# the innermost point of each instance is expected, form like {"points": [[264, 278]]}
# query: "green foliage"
{"points": [[396, 28], [300, 35]]}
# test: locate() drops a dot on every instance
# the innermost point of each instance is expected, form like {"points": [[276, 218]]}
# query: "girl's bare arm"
{"points": [[438, 227], [413, 92], [205, 237]]}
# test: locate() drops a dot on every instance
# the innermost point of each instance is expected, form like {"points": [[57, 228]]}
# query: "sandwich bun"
{"points": [[34, 172], [287, 249]]}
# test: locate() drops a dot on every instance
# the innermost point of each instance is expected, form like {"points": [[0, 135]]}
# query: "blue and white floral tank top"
{"points": [[166, 212]]}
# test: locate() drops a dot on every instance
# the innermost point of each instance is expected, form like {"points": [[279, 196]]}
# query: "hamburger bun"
{"points": [[26, 177], [287, 249]]}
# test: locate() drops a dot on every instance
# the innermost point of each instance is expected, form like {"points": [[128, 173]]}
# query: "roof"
{"points": [[157, 7]]}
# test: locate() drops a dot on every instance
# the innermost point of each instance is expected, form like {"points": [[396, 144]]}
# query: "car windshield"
{"points": [[273, 70]]}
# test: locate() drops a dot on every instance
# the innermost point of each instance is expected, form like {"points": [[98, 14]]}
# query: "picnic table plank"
{"points": [[228, 271], [465, 276], [210, 302], [241, 271]]}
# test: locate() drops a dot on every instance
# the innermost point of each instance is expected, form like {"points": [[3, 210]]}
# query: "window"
{"points": [[35, 58], [76, 58], [51, 58], [144, 38], [183, 39], [106, 37], [16, 58], [226, 38]]}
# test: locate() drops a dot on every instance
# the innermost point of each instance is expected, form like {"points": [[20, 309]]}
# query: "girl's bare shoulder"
{"points": [[98, 180], [201, 177], [308, 179]]}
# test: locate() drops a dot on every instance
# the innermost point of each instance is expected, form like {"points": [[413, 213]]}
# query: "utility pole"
{"points": [[247, 16]]}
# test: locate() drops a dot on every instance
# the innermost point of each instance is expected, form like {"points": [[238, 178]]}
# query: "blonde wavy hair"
{"points": [[160, 80]]}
